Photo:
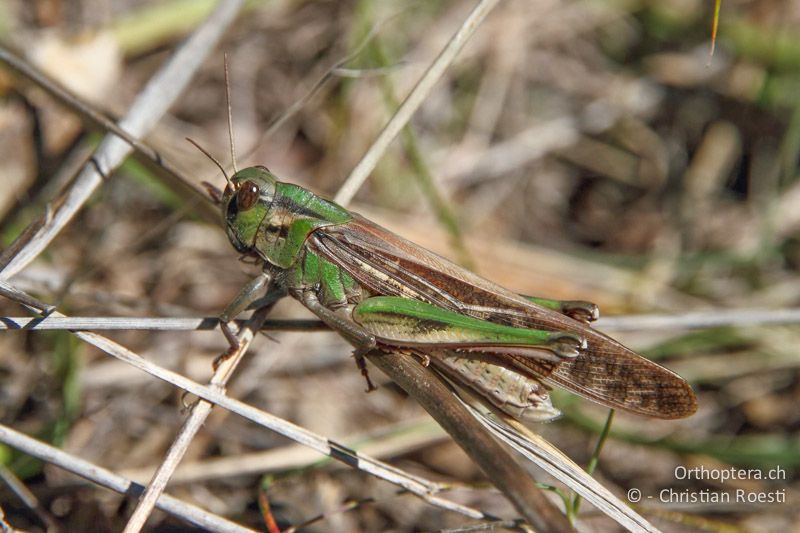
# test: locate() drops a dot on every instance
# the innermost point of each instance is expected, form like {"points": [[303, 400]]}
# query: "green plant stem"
{"points": [[590, 468], [444, 212]]}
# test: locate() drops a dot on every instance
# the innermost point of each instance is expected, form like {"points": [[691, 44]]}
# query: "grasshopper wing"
{"points": [[605, 371]]}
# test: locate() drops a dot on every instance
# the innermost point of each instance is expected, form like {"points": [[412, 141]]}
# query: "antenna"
{"points": [[211, 157], [230, 115]]}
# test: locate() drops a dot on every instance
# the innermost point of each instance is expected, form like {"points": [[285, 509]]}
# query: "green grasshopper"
{"points": [[382, 292]]}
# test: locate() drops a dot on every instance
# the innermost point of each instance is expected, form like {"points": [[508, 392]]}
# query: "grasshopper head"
{"points": [[245, 204]]}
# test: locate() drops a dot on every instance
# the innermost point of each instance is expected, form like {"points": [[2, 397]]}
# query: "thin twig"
{"points": [[296, 106], [388, 441], [191, 426], [423, 175], [419, 486], [108, 479], [147, 324], [553, 461], [412, 102], [153, 101], [335, 70], [712, 318], [28, 498], [436, 398], [65, 97]]}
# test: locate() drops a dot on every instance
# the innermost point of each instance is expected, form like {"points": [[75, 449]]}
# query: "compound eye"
{"points": [[247, 196]]}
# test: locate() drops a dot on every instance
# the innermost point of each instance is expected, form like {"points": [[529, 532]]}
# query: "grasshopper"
{"points": [[382, 292]]}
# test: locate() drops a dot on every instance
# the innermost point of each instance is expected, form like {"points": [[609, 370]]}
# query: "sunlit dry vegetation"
{"points": [[575, 149]]}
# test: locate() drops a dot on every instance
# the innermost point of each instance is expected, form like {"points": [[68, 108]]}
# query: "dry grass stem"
{"points": [[199, 412], [154, 100], [557, 464], [390, 441], [17, 486], [589, 153], [713, 318], [446, 408], [414, 484], [98, 119], [414, 99], [108, 479]]}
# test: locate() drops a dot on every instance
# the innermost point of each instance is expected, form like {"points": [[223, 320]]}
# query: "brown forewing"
{"points": [[606, 372]]}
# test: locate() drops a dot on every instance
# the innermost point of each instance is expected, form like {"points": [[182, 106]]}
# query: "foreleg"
{"points": [[248, 295]]}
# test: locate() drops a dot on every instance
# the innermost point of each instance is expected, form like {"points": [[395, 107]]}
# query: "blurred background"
{"points": [[576, 149]]}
